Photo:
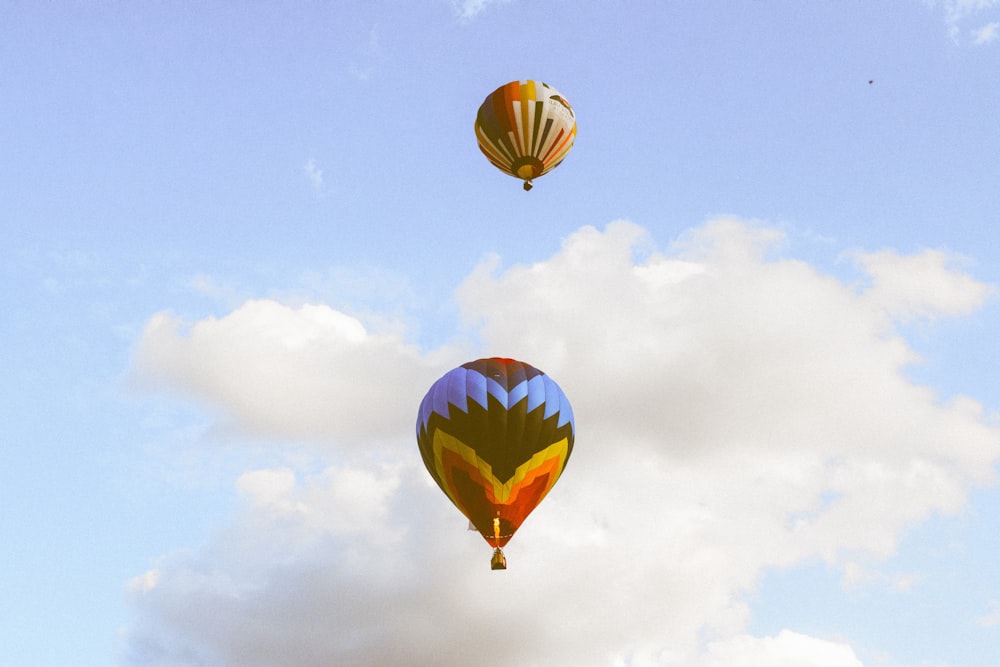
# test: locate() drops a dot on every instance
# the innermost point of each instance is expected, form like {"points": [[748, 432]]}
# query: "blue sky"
{"points": [[241, 240]]}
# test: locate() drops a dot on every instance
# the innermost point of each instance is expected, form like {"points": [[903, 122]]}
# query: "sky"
{"points": [[241, 240]]}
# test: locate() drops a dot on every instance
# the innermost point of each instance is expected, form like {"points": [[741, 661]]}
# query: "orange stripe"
{"points": [[557, 149]]}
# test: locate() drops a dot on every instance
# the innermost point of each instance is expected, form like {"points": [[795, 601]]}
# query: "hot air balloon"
{"points": [[525, 128], [495, 434]]}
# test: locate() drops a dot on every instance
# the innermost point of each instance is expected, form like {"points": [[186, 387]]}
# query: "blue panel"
{"points": [[536, 391], [425, 411], [474, 387], [552, 395], [438, 398], [516, 393], [497, 391], [455, 389]]}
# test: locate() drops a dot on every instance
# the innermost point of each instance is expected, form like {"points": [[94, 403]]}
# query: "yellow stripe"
{"points": [[501, 491], [528, 95]]}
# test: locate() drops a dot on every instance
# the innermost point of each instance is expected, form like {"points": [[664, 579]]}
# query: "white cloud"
{"points": [[787, 649], [468, 9], [924, 285], [987, 33], [905, 582], [368, 57], [857, 575], [145, 582], [314, 174], [267, 488], [736, 411], [309, 373], [958, 12], [990, 619]]}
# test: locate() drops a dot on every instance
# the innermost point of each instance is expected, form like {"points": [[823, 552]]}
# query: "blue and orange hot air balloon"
{"points": [[525, 128], [495, 434]]}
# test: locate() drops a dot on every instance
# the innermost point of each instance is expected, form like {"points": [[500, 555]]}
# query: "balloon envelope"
{"points": [[495, 434], [525, 128]]}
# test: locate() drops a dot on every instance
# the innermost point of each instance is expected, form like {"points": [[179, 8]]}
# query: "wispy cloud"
{"points": [[924, 285], [314, 174], [906, 581], [469, 9], [959, 12], [986, 33], [991, 619], [859, 575], [367, 57]]}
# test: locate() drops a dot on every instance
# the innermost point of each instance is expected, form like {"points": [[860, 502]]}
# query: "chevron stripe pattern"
{"points": [[495, 434], [525, 128]]}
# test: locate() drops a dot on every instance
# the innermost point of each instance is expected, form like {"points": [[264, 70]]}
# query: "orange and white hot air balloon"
{"points": [[525, 128]]}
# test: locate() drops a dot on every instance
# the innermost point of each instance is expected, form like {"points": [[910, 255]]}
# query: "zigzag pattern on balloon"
{"points": [[478, 379], [471, 485]]}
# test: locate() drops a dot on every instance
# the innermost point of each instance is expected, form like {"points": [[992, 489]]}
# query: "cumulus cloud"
{"points": [[736, 410], [304, 373]]}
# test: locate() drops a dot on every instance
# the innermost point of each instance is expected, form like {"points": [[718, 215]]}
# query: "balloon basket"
{"points": [[499, 561]]}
